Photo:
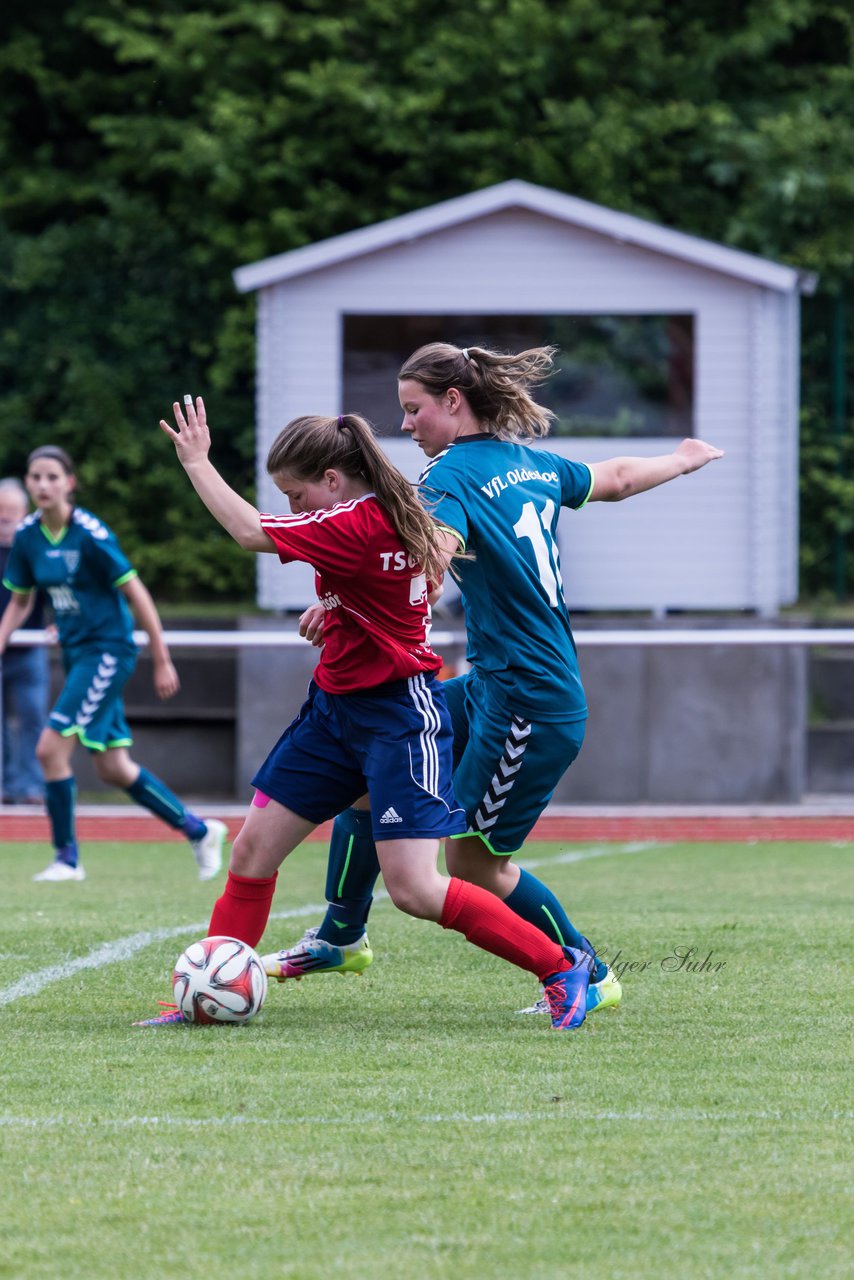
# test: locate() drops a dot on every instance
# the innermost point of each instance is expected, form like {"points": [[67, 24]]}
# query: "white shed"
{"points": [[666, 335]]}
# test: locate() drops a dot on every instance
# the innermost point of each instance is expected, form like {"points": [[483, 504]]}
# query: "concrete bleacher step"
{"points": [[831, 676], [830, 758], [830, 738]]}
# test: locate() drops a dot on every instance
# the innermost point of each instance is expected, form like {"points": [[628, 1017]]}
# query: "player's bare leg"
{"points": [[411, 874], [268, 835], [470, 859], [416, 886], [54, 753], [115, 767]]}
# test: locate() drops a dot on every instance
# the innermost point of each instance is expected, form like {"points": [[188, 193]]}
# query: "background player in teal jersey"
{"points": [[519, 714], [73, 556]]}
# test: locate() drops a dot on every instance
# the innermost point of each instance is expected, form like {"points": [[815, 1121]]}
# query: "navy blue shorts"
{"points": [[506, 767], [394, 742]]}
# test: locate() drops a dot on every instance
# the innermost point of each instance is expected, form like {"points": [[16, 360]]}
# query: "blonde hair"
{"points": [[495, 385], [310, 445]]}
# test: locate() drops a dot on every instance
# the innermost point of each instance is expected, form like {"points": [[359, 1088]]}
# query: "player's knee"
{"points": [[415, 898], [248, 858], [240, 852], [408, 899], [49, 752]]}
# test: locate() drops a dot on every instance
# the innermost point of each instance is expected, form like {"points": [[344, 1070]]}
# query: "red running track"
{"points": [[571, 828]]}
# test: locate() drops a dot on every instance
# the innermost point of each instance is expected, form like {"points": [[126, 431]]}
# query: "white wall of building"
{"points": [[721, 539]]}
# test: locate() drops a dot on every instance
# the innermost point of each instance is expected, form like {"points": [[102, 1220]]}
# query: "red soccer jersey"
{"points": [[376, 626]]}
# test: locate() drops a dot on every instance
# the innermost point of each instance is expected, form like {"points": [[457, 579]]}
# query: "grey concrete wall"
{"points": [[830, 742], [686, 724], [195, 761], [719, 724], [691, 724]]}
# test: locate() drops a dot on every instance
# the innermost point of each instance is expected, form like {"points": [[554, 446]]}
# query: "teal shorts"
{"points": [[90, 704], [506, 767]]}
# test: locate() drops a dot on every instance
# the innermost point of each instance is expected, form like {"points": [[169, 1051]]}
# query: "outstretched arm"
{"points": [[192, 444], [166, 681], [620, 478]]}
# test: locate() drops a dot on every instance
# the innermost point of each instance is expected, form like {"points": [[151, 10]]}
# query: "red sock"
{"points": [[243, 909], [491, 925]]}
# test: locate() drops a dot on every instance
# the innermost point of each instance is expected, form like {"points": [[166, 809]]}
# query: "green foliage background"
{"points": [[147, 150]]}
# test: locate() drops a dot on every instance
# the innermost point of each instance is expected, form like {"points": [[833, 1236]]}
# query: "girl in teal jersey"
{"points": [[519, 713], [77, 560]]}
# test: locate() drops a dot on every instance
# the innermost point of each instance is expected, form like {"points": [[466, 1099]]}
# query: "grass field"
{"points": [[407, 1124]]}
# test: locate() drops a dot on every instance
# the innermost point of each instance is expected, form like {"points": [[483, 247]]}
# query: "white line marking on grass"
{"points": [[123, 948], [584, 855], [507, 1117]]}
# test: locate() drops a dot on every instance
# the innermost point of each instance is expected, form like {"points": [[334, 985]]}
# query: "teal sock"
{"points": [[535, 902], [155, 796], [59, 798], [350, 878]]}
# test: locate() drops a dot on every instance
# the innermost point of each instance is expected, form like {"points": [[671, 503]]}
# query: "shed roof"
{"points": [[515, 194]]}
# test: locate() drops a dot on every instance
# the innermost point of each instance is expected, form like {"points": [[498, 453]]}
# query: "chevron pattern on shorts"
{"points": [[505, 775], [101, 682]]}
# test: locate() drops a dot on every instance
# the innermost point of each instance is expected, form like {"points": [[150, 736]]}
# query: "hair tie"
{"points": [[466, 355], [341, 423]]}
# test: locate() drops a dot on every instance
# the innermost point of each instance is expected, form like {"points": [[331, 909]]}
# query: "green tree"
{"points": [[147, 150]]}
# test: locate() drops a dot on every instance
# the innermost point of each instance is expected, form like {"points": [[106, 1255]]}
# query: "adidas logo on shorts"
{"points": [[391, 815]]}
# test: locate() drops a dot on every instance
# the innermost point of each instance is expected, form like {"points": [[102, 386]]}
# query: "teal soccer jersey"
{"points": [[503, 500], [81, 572]]}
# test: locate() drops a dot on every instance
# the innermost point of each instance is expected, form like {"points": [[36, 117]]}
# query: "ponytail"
{"points": [[310, 445], [495, 385]]}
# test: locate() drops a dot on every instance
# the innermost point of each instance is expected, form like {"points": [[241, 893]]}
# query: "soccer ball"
{"points": [[219, 980]]}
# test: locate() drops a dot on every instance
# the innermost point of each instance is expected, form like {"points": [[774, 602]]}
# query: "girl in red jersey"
{"points": [[375, 719]]}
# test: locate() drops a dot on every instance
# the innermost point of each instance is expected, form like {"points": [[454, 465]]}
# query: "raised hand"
{"points": [[696, 453], [192, 440], [192, 443]]}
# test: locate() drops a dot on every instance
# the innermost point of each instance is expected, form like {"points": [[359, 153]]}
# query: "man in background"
{"points": [[25, 679]]}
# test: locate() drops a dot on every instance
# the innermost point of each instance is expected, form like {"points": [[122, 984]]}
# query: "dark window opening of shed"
{"points": [[621, 376]]}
